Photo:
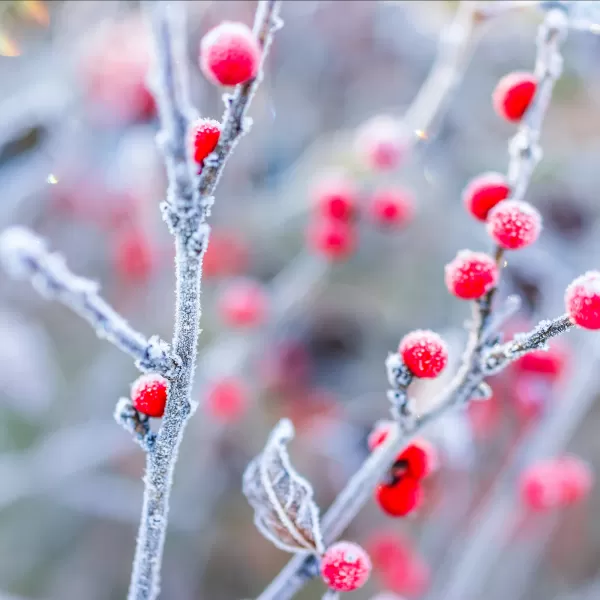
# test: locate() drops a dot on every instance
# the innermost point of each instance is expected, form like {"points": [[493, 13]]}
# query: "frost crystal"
{"points": [[18, 245], [284, 509]]}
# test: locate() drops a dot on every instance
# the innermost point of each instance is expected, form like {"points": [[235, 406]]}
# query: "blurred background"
{"points": [[285, 330]]}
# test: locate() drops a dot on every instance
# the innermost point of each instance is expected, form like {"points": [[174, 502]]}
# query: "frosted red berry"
{"points": [[345, 567], [577, 479], [229, 54], [381, 142], [483, 192], [227, 399], [420, 459], [379, 434], [424, 352], [244, 303], [400, 498], [149, 395], [333, 239], [513, 95], [336, 197], [471, 274], [204, 137], [392, 206], [513, 224], [582, 300]]}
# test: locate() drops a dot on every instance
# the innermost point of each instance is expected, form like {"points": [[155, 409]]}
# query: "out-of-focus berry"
{"points": [[391, 207], [134, 254], [336, 197], [333, 239], [244, 303], [513, 95], [483, 192], [230, 54], [381, 143], [227, 399]]}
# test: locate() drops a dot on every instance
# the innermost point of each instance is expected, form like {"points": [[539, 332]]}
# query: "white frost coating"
{"points": [[284, 509], [25, 256]]}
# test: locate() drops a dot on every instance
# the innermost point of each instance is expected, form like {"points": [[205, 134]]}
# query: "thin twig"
{"points": [[25, 256], [185, 211]]}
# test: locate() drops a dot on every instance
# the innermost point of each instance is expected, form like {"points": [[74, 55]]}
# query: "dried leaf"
{"points": [[284, 509]]}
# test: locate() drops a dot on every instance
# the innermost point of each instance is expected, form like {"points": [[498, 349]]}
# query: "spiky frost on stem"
{"points": [[26, 256]]}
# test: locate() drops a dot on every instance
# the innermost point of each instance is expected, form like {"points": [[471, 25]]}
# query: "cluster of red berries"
{"points": [[402, 494], [332, 232], [345, 567], [555, 483], [512, 224]]}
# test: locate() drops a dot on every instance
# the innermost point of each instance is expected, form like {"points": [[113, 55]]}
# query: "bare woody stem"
{"points": [[185, 210], [25, 256]]}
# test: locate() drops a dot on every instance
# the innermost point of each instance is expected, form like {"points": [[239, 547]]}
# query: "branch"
{"points": [[185, 210], [25, 256]]}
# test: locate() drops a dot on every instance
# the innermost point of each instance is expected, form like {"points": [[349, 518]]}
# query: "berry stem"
{"points": [[25, 256], [186, 211]]}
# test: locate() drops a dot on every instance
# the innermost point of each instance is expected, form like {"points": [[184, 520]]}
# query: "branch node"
{"points": [[136, 423]]}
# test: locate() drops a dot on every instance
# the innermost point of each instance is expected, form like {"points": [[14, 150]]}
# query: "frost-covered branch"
{"points": [[235, 122], [185, 210], [25, 256], [500, 355], [524, 148]]}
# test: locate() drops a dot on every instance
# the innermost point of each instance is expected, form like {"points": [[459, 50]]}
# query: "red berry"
{"points": [[392, 206], [531, 394], [471, 274], [513, 224], [399, 499], [379, 434], [540, 486], [149, 395], [582, 300], [424, 352], [335, 240], [381, 142], [244, 303], [549, 362], [388, 549], [483, 193], [345, 567], [204, 137], [336, 197], [229, 54], [513, 95], [420, 457], [134, 255], [227, 399], [577, 479]]}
